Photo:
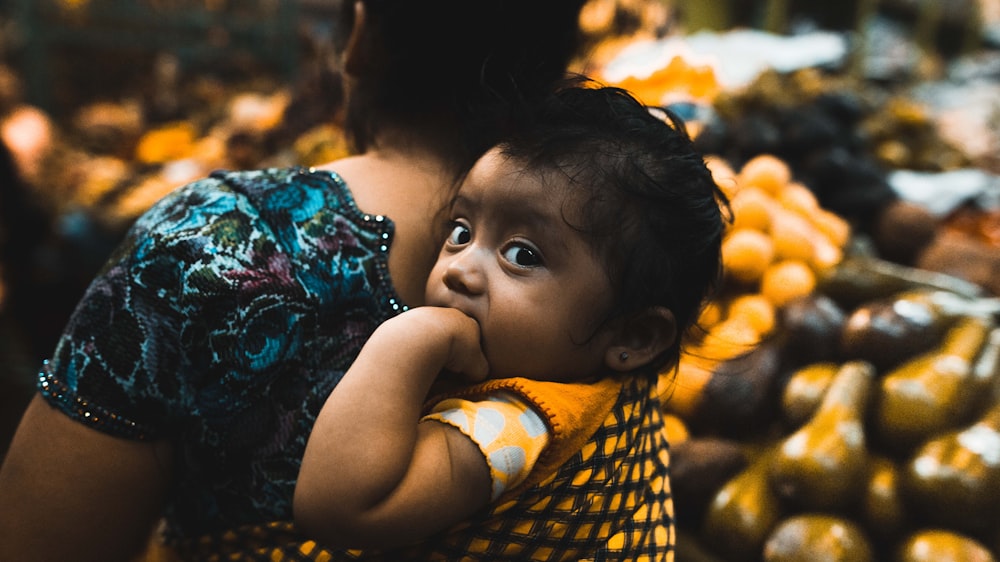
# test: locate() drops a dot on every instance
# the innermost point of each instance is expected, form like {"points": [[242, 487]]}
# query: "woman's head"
{"points": [[450, 73], [644, 199]]}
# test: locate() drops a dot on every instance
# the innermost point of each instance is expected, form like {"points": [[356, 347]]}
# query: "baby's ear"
{"points": [[640, 338]]}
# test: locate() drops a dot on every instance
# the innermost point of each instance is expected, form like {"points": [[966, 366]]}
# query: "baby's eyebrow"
{"points": [[459, 198], [521, 212]]}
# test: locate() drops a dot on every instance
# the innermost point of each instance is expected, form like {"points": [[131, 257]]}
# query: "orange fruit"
{"points": [[784, 281], [767, 172], [799, 198], [833, 226], [727, 339], [756, 309], [723, 174], [710, 315], [674, 428], [793, 236], [752, 208], [168, 142], [825, 255], [746, 254], [681, 394]]}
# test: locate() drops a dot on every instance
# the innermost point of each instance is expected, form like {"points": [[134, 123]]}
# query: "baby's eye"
{"points": [[460, 234], [522, 255]]}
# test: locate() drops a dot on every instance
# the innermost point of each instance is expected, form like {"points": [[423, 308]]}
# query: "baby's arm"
{"points": [[372, 476]]}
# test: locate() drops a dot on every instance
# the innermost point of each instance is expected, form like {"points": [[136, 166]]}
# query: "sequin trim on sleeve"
{"points": [[95, 416]]}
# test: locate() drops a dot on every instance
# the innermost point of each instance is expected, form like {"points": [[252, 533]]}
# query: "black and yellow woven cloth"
{"points": [[610, 500]]}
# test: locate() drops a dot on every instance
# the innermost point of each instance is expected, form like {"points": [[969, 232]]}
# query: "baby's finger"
{"points": [[467, 354], [477, 368]]}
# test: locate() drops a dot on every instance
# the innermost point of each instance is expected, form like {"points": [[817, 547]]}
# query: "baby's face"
{"points": [[511, 262]]}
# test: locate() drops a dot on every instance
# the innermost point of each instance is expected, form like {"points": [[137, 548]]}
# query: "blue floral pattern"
{"points": [[221, 323]]}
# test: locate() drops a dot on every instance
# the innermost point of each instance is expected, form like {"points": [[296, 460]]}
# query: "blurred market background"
{"points": [[842, 400]]}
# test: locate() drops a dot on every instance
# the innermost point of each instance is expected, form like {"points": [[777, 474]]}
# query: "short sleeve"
{"points": [[506, 429], [122, 362]]}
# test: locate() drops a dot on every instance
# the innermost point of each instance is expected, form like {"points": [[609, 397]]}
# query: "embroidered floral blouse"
{"points": [[222, 322]]}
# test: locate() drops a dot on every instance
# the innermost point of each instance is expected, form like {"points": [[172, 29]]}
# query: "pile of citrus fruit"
{"points": [[779, 242]]}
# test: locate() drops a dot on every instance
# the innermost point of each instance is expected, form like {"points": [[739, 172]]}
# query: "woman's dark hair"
{"points": [[456, 70], [650, 206]]}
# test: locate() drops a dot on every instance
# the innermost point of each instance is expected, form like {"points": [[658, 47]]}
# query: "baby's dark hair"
{"points": [[651, 208]]}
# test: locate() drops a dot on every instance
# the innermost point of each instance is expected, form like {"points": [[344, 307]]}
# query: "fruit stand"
{"points": [[842, 398], [841, 395]]}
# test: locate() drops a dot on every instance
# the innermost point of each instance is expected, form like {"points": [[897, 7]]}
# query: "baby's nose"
{"points": [[464, 273]]}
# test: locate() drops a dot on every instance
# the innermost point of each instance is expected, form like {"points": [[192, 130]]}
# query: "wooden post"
{"points": [[928, 23], [698, 15], [866, 12], [973, 28], [776, 16]]}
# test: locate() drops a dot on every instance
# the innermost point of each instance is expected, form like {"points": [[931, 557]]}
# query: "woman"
{"points": [[187, 380]]}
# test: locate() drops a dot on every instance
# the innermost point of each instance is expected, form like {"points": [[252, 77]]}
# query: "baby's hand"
{"points": [[443, 335], [465, 356]]}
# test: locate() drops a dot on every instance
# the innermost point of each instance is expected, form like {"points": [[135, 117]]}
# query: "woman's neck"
{"points": [[410, 187]]}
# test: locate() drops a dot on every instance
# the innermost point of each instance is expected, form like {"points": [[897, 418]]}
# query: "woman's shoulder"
{"points": [[289, 225], [291, 190], [270, 187], [289, 204]]}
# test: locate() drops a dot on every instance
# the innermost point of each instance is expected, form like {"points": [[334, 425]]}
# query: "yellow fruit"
{"points": [[675, 428], [833, 226], [793, 237], [767, 172], [798, 198], [797, 238], [723, 174], [681, 394], [825, 255], [787, 280], [756, 309], [727, 339], [710, 315], [746, 254], [169, 142], [752, 209]]}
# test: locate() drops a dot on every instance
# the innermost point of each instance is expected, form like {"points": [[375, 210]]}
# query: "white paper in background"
{"points": [[942, 192], [737, 56]]}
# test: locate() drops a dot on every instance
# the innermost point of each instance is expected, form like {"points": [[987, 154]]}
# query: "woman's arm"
{"points": [[371, 473], [70, 492]]}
